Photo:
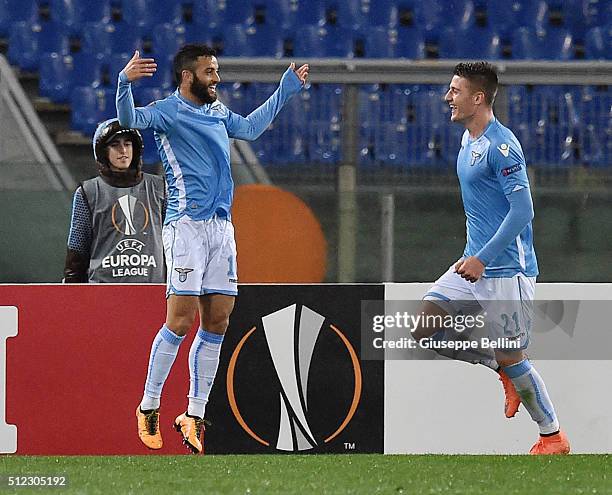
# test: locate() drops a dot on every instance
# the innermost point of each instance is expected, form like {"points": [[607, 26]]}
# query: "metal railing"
{"points": [[24, 137]]}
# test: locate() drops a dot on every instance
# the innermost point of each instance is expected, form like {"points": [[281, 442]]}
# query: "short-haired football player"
{"points": [[497, 271]]}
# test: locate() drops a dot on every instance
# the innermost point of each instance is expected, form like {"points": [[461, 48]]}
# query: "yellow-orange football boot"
{"points": [[192, 430], [553, 444], [148, 428]]}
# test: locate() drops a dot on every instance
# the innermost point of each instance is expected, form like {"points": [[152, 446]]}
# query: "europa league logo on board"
{"points": [[291, 335]]}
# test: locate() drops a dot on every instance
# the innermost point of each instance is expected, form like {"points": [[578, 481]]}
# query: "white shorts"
{"points": [[507, 302], [200, 257]]}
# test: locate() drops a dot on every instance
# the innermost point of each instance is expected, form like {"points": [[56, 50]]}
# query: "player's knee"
{"points": [[180, 323], [505, 359], [217, 321]]}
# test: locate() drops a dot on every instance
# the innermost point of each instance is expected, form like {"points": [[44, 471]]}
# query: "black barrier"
{"points": [[291, 378]]}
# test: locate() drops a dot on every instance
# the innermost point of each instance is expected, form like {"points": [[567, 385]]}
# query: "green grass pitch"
{"points": [[317, 474]]}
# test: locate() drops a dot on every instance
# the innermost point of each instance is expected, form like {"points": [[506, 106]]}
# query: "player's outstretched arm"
{"points": [[251, 127], [151, 117]]}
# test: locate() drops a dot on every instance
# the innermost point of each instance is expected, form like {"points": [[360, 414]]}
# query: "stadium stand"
{"points": [[77, 48]]}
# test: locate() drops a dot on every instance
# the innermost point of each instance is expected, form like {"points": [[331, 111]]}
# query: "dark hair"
{"points": [[187, 56], [481, 76]]}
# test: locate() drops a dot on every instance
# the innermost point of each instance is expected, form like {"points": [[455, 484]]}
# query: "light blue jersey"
{"points": [[193, 143], [491, 168]]}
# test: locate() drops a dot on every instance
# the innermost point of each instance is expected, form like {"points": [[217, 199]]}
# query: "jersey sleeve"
{"points": [[251, 127], [158, 116], [508, 164]]}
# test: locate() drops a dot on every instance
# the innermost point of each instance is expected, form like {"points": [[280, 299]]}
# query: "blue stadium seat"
{"points": [[473, 43], [165, 41], [502, 15], [203, 12], [164, 75], [88, 69], [237, 97], [598, 12], [309, 13], [598, 43], [381, 13], [568, 14], [28, 41], [533, 14], [324, 143], [429, 15], [66, 13], [145, 14], [325, 103], [5, 20], [21, 10], [235, 12], [378, 43], [549, 105], [316, 41], [410, 43], [197, 32], [391, 145], [525, 45], [97, 38], [55, 76], [348, 13], [266, 39], [466, 14], [517, 105], [124, 38], [235, 42], [94, 11], [144, 96], [273, 13], [89, 107], [376, 105], [117, 61], [556, 44]]}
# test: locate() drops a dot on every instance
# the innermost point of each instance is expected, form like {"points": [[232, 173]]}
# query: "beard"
{"points": [[200, 91]]}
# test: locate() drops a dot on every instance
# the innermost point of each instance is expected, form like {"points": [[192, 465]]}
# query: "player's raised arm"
{"points": [[251, 127], [138, 118]]}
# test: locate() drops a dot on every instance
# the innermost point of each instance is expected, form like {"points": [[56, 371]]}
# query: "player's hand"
{"points": [[470, 268], [458, 263], [138, 67], [302, 72]]}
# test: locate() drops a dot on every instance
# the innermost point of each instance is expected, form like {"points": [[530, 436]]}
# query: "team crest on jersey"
{"points": [[475, 157], [183, 272], [504, 149]]}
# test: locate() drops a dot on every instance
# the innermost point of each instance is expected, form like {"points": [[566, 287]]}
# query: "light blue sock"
{"points": [[203, 364], [163, 353], [534, 396]]}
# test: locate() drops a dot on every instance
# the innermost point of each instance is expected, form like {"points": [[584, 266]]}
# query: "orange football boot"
{"points": [[553, 444], [148, 428], [512, 399], [192, 430]]}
